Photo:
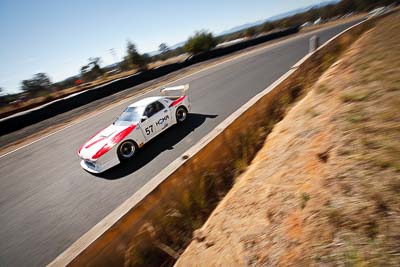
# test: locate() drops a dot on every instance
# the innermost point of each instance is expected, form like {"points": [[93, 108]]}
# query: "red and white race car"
{"points": [[138, 124]]}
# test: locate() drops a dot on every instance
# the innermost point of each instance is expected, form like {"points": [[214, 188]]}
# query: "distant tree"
{"points": [[85, 69], [124, 65], [95, 61], [250, 32], [1, 91], [85, 73], [133, 58], [96, 70], [266, 27], [39, 84], [92, 70], [163, 48], [200, 42], [170, 53], [147, 59]]}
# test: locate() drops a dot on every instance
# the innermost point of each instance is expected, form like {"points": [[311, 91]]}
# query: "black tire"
{"points": [[181, 114], [127, 150]]}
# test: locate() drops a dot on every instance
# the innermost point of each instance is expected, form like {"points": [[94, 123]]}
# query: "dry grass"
{"points": [[325, 188], [333, 23]]}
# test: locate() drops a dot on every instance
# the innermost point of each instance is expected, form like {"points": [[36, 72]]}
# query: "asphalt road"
{"points": [[47, 201]]}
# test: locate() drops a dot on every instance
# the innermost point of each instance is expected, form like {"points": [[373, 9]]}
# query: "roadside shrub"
{"points": [[201, 42], [250, 32]]}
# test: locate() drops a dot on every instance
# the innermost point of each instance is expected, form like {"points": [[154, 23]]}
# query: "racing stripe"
{"points": [[79, 151], [115, 140], [176, 102], [102, 151], [121, 135]]}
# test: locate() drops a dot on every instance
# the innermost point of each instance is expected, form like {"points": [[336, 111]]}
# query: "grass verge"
{"points": [[324, 189]]}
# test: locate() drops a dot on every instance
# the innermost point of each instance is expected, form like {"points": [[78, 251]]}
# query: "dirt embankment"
{"points": [[325, 188]]}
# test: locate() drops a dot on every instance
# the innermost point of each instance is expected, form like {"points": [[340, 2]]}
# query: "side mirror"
{"points": [[115, 120], [144, 118]]}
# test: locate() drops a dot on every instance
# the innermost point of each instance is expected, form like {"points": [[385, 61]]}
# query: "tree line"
{"points": [[40, 84]]}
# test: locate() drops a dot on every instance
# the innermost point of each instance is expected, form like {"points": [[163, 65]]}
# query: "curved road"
{"points": [[47, 201]]}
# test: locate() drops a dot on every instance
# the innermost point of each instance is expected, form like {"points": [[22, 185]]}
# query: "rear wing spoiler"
{"points": [[175, 90]]}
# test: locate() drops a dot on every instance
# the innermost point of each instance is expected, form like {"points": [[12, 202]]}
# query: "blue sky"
{"points": [[57, 37]]}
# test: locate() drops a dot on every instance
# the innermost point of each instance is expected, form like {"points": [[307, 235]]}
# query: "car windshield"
{"points": [[131, 115]]}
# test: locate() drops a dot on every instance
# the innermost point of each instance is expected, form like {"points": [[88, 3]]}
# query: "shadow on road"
{"points": [[165, 141]]}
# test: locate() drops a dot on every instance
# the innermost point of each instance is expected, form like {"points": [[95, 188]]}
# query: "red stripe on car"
{"points": [[115, 140], [79, 151], [102, 151], [121, 135], [176, 102]]}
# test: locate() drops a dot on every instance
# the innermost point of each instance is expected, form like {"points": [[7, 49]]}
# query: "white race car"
{"points": [[139, 123]]}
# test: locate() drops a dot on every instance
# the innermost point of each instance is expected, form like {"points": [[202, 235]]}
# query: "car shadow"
{"points": [[164, 141]]}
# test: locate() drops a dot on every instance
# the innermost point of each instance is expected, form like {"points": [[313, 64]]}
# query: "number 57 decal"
{"points": [[149, 129]]}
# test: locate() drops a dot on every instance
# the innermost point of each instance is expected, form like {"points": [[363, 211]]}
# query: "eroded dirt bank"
{"points": [[325, 188]]}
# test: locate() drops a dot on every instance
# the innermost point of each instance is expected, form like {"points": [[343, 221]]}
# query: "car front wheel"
{"points": [[126, 150]]}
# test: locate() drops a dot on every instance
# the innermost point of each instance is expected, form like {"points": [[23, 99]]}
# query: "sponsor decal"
{"points": [[162, 120]]}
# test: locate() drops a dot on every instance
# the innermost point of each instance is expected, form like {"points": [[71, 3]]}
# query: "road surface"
{"points": [[47, 201]]}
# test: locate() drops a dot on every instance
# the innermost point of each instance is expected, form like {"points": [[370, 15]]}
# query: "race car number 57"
{"points": [[149, 129]]}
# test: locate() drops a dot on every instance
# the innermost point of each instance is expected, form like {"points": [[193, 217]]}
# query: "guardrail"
{"points": [[110, 241], [26, 118]]}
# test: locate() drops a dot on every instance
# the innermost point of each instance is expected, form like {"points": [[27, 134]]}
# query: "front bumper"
{"points": [[102, 164], [91, 166]]}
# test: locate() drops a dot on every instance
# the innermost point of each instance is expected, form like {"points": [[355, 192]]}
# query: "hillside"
{"points": [[325, 188]]}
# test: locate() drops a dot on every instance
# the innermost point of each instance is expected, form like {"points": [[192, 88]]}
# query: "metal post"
{"points": [[314, 43]]}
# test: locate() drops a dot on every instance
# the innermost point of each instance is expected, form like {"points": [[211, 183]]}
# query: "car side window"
{"points": [[158, 106], [153, 108]]}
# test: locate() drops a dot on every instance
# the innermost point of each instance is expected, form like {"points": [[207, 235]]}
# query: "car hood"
{"points": [[103, 141]]}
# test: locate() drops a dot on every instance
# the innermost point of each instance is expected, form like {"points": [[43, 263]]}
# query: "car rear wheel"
{"points": [[126, 150], [181, 114]]}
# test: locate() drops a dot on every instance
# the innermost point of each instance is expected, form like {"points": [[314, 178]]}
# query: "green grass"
{"points": [[305, 197]]}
